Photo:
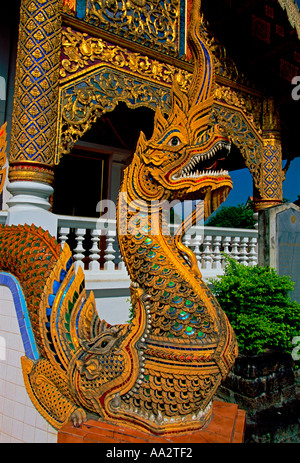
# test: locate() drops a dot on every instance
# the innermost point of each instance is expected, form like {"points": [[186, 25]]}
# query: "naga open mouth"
{"points": [[201, 165]]}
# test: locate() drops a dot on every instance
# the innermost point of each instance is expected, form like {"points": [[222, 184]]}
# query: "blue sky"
{"points": [[242, 184]]}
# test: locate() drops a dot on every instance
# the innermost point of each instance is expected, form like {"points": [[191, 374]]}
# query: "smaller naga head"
{"points": [[185, 157], [97, 365]]}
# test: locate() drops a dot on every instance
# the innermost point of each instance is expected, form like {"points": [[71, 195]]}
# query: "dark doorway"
{"points": [[83, 177], [80, 184]]}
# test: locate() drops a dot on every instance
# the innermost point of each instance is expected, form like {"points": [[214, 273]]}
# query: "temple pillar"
{"points": [[34, 122], [272, 176]]}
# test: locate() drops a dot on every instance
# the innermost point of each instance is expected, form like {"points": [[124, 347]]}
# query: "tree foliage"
{"points": [[240, 216]]}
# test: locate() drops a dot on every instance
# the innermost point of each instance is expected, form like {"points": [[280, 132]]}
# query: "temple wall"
{"points": [[19, 420]]}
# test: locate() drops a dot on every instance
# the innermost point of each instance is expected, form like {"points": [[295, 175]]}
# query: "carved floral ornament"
{"points": [[152, 23]]}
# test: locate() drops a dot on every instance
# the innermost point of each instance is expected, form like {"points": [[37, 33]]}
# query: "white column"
{"points": [[29, 204]]}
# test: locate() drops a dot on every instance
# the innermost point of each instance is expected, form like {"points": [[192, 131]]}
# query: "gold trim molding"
{"points": [[31, 172], [82, 52]]}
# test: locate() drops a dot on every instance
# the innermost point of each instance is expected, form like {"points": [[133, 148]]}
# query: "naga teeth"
{"points": [[186, 171], [202, 174]]}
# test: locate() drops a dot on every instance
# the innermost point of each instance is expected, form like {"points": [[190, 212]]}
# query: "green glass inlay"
{"points": [[200, 309], [172, 310]]}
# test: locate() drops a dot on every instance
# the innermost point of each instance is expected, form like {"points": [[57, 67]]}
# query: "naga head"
{"points": [[185, 156]]}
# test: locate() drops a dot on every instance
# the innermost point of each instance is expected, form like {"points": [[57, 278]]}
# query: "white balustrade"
{"points": [[109, 253], [96, 250], [63, 233], [217, 256], [94, 265], [79, 250], [207, 254], [252, 251]]}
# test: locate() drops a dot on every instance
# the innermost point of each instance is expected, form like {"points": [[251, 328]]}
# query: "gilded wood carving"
{"points": [[160, 372], [3, 144]]}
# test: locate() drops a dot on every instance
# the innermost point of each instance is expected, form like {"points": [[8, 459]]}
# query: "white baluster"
{"points": [[187, 241], [235, 248], [206, 255], [226, 245], [109, 251], [63, 233], [197, 242], [121, 264], [217, 256], [252, 251], [79, 250], [243, 250], [95, 251], [226, 249]]}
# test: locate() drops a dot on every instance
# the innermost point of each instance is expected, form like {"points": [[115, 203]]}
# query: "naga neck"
{"points": [[180, 303]]}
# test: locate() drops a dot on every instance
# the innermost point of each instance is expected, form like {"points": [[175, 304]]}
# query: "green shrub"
{"points": [[259, 308], [130, 311]]}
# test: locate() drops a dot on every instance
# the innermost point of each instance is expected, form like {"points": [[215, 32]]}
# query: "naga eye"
{"points": [[175, 141], [104, 344]]}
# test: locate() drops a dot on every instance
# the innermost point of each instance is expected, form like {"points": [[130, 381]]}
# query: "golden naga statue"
{"points": [[158, 373]]}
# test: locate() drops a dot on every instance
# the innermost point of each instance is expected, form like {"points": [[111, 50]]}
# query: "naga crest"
{"points": [[185, 156], [158, 373]]}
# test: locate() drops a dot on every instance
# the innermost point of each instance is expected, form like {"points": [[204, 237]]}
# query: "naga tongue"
{"points": [[218, 197], [213, 200]]}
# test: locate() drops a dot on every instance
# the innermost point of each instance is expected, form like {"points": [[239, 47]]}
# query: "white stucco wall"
{"points": [[19, 420]]}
